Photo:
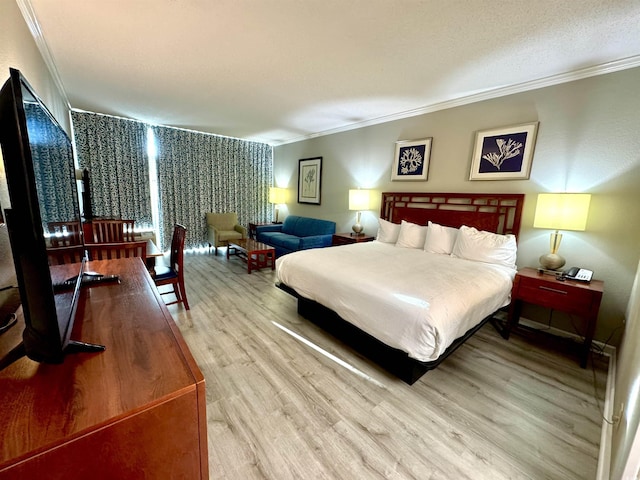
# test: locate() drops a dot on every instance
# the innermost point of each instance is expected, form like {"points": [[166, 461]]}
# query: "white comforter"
{"points": [[409, 299]]}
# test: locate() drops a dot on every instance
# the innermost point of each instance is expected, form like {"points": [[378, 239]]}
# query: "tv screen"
{"points": [[42, 213]]}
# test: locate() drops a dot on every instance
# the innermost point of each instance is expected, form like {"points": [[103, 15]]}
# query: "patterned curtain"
{"points": [[200, 173], [115, 152], [53, 167]]}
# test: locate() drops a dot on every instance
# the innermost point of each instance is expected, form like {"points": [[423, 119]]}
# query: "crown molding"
{"points": [[602, 69], [34, 27]]}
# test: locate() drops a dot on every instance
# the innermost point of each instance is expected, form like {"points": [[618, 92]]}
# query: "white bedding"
{"points": [[412, 300]]}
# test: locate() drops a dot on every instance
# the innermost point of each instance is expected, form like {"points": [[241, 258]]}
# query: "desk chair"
{"points": [[65, 234], [174, 273], [111, 231]]}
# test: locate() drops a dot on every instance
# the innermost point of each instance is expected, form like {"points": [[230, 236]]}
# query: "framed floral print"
{"points": [[411, 161], [309, 177], [504, 153]]}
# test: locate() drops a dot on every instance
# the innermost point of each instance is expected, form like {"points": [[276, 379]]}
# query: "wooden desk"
{"points": [[136, 410], [153, 252]]}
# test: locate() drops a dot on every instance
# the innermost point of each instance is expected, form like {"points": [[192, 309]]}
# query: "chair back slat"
{"points": [[65, 234], [112, 231]]}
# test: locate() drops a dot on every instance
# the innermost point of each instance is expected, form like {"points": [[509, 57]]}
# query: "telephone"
{"points": [[580, 274]]}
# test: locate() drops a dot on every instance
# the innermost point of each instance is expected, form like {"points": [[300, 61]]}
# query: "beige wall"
{"points": [[19, 50], [588, 141]]}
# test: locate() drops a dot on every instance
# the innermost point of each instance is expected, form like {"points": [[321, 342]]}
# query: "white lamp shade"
{"points": [[562, 211], [359, 200], [277, 195]]}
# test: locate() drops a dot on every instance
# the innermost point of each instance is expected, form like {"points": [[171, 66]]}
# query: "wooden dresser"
{"points": [[136, 410]]}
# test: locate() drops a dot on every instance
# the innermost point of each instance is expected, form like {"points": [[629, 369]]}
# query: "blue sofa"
{"points": [[296, 233]]}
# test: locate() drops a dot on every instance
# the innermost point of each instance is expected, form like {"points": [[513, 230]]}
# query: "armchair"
{"points": [[222, 227]]}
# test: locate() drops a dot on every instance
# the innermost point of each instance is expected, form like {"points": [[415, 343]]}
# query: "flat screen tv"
{"points": [[39, 170]]}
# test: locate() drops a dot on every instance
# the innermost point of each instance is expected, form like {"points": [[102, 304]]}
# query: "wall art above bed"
{"points": [[504, 153], [412, 160]]}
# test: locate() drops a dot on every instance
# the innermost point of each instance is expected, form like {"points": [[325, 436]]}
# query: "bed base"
{"points": [[391, 359]]}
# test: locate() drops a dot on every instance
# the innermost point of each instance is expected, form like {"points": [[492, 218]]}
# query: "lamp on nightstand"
{"points": [[560, 211], [277, 196], [358, 200]]}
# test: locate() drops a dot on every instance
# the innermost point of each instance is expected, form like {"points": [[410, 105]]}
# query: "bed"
{"points": [[431, 279]]}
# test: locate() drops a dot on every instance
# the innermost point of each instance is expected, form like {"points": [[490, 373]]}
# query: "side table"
{"points": [[577, 298], [348, 238]]}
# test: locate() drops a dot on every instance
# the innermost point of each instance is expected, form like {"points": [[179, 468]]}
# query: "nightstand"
{"points": [[576, 298], [347, 238]]}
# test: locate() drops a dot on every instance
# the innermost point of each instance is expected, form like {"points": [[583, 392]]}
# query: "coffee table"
{"points": [[257, 254]]}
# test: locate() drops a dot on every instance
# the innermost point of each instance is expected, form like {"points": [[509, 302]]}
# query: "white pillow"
{"points": [[440, 239], [485, 247], [388, 232], [411, 235]]}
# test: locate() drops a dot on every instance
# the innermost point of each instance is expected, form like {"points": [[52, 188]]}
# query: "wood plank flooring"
{"points": [[279, 409]]}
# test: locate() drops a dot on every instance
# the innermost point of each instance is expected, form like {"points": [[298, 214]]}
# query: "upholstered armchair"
{"points": [[222, 227]]}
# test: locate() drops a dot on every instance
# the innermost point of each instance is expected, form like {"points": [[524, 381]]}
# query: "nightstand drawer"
{"points": [[555, 295]]}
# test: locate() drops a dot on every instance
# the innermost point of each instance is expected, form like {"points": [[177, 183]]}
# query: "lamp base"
{"points": [[552, 261], [357, 228]]}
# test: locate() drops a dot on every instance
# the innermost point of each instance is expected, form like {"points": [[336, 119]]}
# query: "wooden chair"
{"points": [[64, 255], [111, 231], [65, 234], [110, 251], [174, 273]]}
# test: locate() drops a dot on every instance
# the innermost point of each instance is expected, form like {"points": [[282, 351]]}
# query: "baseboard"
{"points": [[604, 456]]}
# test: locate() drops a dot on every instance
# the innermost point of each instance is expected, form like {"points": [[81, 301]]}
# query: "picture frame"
{"points": [[411, 161], [504, 153], [309, 180]]}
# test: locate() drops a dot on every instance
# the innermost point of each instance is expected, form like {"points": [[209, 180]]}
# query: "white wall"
{"points": [[588, 141], [19, 50], [625, 448]]}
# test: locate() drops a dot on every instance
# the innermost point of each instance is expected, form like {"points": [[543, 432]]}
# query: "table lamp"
{"points": [[358, 201], [277, 196], [560, 211]]}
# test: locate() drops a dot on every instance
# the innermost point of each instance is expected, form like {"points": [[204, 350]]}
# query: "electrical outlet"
{"points": [[618, 416]]}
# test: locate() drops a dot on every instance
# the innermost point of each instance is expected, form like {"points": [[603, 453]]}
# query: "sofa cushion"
{"points": [[305, 227], [226, 235], [279, 239]]}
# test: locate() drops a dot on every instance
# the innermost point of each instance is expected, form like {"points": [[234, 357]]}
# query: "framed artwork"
{"points": [[309, 177], [412, 160], [504, 153]]}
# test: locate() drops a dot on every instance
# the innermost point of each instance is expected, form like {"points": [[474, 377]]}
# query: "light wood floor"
{"points": [[279, 409]]}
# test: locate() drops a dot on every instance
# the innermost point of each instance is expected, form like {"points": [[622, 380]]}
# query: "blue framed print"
{"points": [[504, 153], [412, 160]]}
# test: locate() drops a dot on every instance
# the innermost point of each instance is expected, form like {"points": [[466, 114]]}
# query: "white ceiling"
{"points": [[278, 71]]}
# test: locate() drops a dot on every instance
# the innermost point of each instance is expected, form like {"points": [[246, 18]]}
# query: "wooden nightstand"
{"points": [[347, 238], [581, 299]]}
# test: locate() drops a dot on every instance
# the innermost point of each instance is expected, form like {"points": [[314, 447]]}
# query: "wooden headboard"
{"points": [[493, 212]]}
